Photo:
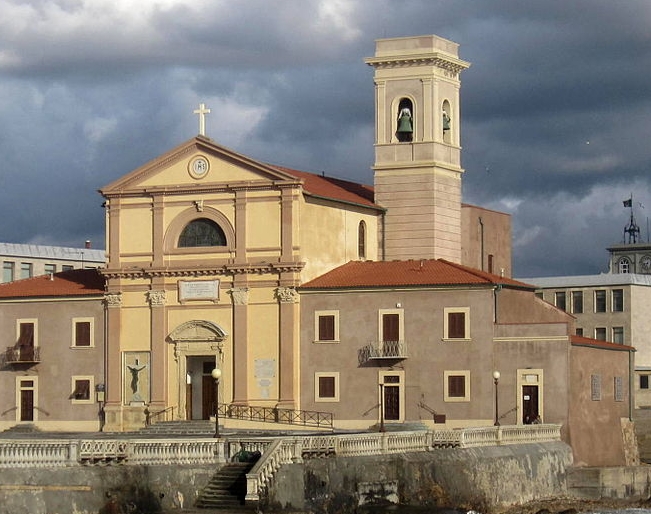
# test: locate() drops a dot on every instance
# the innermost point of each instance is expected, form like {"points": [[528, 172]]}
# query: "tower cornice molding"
{"points": [[441, 61]]}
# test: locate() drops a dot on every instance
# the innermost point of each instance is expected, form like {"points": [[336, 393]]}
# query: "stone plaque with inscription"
{"points": [[198, 290]]}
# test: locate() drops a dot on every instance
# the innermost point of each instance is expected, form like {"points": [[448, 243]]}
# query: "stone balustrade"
{"points": [[25, 453], [57, 453], [288, 450]]}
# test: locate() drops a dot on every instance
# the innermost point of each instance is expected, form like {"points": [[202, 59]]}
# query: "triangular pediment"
{"points": [[195, 164]]}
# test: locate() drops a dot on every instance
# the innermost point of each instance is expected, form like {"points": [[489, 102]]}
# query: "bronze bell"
{"points": [[405, 126]]}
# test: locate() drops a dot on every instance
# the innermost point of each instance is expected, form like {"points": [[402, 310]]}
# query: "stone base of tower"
{"points": [[423, 219]]}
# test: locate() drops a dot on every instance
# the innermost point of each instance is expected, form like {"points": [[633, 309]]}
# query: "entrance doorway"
{"points": [[530, 410], [26, 391], [200, 388], [392, 395]]}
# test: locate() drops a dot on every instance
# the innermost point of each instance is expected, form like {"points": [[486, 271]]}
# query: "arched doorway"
{"points": [[198, 348]]}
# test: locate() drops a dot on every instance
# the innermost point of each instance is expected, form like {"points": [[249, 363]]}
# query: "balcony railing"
{"points": [[383, 350], [22, 354]]}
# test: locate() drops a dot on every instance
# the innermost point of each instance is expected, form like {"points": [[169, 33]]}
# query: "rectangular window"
{"points": [[595, 387], [326, 387], [50, 269], [390, 327], [456, 323], [81, 390], [644, 381], [83, 332], [577, 302], [8, 271], [67, 267], [539, 294], [559, 298], [456, 386], [600, 300], [618, 335], [25, 270], [579, 331], [326, 326], [618, 300], [600, 333], [619, 389]]}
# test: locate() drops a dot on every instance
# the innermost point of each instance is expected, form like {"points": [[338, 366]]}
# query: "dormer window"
{"points": [[202, 232]]}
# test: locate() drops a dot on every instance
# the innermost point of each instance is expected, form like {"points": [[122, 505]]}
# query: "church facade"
{"points": [[206, 247]]}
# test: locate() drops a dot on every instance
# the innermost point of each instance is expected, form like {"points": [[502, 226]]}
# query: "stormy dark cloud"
{"points": [[556, 107]]}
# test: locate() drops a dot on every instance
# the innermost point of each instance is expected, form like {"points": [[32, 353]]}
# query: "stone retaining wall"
{"points": [[480, 478]]}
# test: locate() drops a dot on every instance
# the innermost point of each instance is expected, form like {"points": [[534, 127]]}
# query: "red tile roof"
{"points": [[586, 341], [79, 282], [333, 188], [425, 272]]}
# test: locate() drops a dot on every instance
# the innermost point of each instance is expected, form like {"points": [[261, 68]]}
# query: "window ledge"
{"points": [[456, 339], [334, 341]]}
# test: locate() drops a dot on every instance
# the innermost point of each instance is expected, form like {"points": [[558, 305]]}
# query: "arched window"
{"points": [[624, 265], [446, 122], [202, 232], [361, 240], [405, 121]]}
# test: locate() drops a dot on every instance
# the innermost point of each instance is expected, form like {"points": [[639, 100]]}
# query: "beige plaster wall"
{"points": [[594, 426], [59, 362]]}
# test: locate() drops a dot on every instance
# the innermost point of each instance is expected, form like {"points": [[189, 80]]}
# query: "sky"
{"points": [[555, 108]]}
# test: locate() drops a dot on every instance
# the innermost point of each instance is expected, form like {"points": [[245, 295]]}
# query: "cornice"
{"points": [[194, 189], [440, 61], [227, 269]]}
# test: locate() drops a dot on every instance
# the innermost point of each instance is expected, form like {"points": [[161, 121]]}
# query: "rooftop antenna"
{"points": [[631, 231]]}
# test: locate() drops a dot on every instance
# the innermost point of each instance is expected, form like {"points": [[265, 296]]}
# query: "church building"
{"points": [[206, 247]]}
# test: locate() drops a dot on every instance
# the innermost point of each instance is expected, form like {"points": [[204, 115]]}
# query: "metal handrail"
{"points": [[277, 415], [154, 417]]}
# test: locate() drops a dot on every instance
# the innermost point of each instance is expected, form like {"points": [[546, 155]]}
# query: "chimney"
{"points": [[87, 245]]}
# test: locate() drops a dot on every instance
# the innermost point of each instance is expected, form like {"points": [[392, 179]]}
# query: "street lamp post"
{"points": [[216, 374], [496, 380]]}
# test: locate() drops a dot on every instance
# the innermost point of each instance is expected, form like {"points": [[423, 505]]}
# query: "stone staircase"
{"points": [[197, 428], [227, 487]]}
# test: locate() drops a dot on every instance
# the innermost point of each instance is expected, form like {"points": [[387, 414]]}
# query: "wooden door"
{"points": [[391, 398], [208, 400], [26, 405], [529, 404]]}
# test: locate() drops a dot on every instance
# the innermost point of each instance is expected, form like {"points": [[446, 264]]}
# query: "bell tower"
{"points": [[417, 147]]}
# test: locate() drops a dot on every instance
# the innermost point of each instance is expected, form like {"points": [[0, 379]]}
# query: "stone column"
{"points": [[240, 296], [287, 371], [159, 369], [113, 363]]}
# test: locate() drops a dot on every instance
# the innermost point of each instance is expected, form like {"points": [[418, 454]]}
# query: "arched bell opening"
{"points": [[446, 121], [405, 121]]}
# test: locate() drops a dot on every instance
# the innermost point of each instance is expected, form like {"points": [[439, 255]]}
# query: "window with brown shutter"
{"points": [[82, 333], [456, 325], [326, 387], [457, 386], [390, 327], [327, 328]]}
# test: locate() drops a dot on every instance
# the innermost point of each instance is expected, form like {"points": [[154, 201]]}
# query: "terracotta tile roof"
{"points": [[334, 188], [79, 282], [586, 341], [425, 272]]}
